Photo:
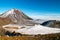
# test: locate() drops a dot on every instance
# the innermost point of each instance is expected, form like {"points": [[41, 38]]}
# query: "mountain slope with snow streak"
{"points": [[17, 17]]}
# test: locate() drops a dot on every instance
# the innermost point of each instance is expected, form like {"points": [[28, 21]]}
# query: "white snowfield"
{"points": [[33, 30]]}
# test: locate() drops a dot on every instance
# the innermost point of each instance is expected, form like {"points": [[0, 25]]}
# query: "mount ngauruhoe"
{"points": [[16, 21], [15, 17]]}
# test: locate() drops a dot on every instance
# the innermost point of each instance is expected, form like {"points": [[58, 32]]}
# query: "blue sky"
{"points": [[32, 7]]}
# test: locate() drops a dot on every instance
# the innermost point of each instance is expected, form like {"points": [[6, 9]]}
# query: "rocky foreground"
{"points": [[36, 37]]}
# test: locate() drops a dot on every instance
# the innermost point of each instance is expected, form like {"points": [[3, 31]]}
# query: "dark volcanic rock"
{"points": [[52, 23]]}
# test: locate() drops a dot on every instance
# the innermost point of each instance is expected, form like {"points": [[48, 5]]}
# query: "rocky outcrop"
{"points": [[52, 23]]}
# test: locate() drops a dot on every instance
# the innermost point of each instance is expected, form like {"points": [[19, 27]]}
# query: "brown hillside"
{"points": [[5, 21]]}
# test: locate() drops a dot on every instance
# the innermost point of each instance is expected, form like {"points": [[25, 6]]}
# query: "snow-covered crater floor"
{"points": [[33, 30]]}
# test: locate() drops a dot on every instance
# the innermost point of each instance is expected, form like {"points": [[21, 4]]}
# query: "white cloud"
{"points": [[46, 17]]}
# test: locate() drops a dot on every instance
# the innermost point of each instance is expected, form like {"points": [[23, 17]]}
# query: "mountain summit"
{"points": [[14, 12]]}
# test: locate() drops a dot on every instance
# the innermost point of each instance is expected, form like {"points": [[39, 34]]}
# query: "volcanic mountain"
{"points": [[15, 16]]}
